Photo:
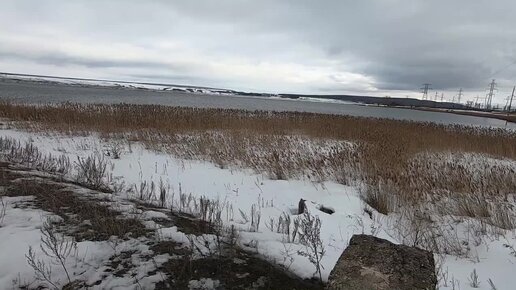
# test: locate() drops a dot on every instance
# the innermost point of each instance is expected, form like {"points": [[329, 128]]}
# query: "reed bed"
{"points": [[397, 161]]}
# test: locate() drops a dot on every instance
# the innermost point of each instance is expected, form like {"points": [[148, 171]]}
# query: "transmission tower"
{"points": [[459, 96], [442, 97], [477, 105], [490, 95], [425, 89], [435, 98]]}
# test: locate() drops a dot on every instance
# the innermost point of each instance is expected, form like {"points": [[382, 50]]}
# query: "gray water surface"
{"points": [[36, 92]]}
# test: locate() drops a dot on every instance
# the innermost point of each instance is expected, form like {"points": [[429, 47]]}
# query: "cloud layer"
{"points": [[366, 47]]}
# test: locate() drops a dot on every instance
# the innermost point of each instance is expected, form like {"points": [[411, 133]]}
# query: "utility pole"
{"points": [[425, 89], [459, 96], [512, 97], [490, 95]]}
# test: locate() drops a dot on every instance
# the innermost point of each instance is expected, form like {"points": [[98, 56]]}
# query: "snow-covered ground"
{"points": [[240, 190], [21, 228]]}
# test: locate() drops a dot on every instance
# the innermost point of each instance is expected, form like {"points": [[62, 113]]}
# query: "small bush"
{"points": [[92, 172], [310, 237]]}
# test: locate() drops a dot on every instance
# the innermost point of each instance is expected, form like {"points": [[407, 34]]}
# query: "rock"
{"points": [[326, 209], [373, 263], [301, 207]]}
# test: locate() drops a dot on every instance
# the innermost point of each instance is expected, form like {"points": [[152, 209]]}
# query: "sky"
{"points": [[378, 48]]}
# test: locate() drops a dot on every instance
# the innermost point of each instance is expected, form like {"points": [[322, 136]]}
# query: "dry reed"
{"points": [[403, 156]]}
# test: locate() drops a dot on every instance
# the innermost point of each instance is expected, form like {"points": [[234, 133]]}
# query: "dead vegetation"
{"points": [[84, 217], [88, 219], [397, 157], [242, 271], [411, 169]]}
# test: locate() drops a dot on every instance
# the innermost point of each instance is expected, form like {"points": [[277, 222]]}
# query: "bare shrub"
{"points": [[310, 237], [30, 156], [163, 193], [255, 218], [56, 247], [379, 197], [115, 149], [42, 270], [92, 172], [283, 226], [287, 226], [474, 280], [210, 212], [145, 191], [415, 227]]}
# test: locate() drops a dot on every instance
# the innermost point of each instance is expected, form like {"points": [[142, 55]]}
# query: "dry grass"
{"points": [[90, 220], [402, 156]]}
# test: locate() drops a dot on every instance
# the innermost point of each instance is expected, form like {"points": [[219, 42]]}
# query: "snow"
{"points": [[21, 230], [243, 189], [204, 283]]}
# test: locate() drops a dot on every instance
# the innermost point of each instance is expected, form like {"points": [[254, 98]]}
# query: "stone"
{"points": [[301, 207], [371, 263]]}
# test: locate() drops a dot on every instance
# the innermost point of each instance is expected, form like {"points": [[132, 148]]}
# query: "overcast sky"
{"points": [[387, 47]]}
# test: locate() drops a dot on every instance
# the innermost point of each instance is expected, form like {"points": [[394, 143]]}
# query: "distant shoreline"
{"points": [[509, 117]]}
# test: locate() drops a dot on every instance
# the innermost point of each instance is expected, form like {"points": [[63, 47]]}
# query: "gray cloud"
{"points": [[368, 47]]}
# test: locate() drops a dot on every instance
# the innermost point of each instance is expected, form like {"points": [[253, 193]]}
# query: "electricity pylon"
{"points": [[490, 95], [425, 89], [459, 96]]}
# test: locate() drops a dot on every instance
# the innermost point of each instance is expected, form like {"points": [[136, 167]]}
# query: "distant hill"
{"points": [[403, 102]]}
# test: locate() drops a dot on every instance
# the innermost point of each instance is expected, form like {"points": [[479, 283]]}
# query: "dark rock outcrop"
{"points": [[372, 263]]}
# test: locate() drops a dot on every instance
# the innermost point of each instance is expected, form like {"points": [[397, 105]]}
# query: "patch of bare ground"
{"points": [[185, 222], [240, 271], [231, 267], [83, 219]]}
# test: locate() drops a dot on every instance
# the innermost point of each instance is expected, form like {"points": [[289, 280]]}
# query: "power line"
{"points": [[502, 69]]}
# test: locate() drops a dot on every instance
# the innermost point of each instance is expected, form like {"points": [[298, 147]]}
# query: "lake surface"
{"points": [[34, 92]]}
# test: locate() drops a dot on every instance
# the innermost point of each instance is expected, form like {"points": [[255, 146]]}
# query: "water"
{"points": [[34, 92]]}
